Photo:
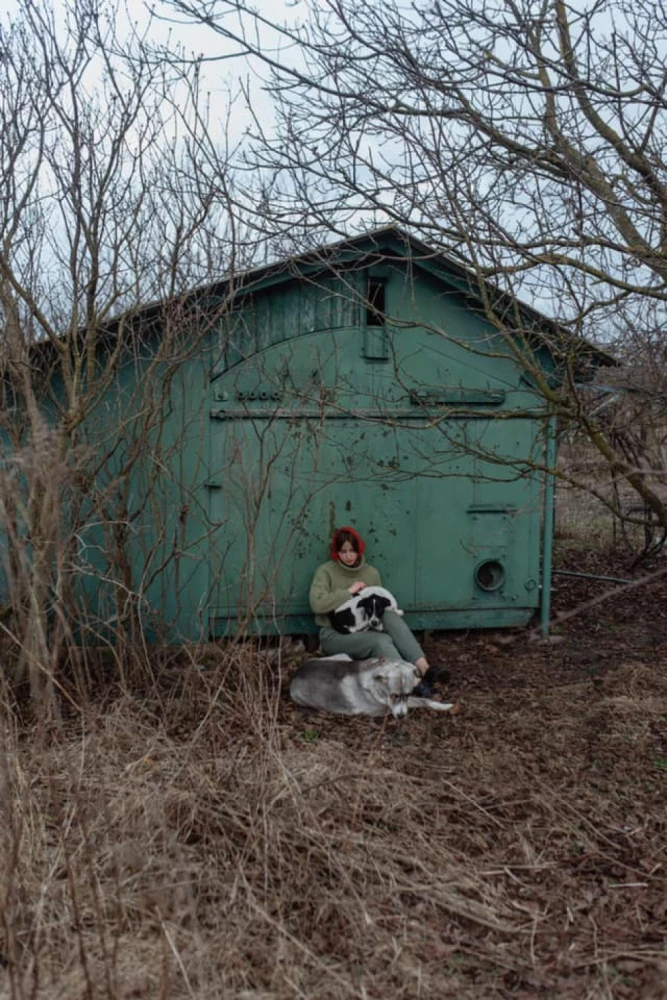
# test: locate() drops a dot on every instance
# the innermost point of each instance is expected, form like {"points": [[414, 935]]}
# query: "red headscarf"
{"points": [[361, 544]]}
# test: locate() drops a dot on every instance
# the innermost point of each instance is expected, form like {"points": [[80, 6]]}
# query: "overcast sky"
{"points": [[224, 68]]}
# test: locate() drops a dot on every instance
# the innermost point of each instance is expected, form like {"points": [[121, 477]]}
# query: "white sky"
{"points": [[223, 67]]}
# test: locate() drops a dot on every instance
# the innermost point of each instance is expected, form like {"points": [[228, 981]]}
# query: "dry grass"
{"points": [[585, 521], [202, 837]]}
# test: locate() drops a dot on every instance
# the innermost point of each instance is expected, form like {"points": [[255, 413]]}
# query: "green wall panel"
{"points": [[293, 417], [428, 449]]}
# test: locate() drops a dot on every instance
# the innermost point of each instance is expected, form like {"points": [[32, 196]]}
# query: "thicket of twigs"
{"points": [[188, 832]]}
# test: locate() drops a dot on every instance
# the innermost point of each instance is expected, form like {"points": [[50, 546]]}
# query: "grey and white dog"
{"points": [[360, 687]]}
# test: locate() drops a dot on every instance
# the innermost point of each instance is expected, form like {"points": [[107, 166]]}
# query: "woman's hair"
{"points": [[346, 534]]}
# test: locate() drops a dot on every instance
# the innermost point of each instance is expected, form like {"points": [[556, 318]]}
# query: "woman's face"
{"points": [[347, 555]]}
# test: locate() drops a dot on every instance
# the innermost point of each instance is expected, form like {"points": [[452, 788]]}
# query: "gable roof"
{"points": [[376, 248], [391, 243]]}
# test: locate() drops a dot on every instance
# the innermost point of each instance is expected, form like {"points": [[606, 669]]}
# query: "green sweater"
{"points": [[331, 586]]}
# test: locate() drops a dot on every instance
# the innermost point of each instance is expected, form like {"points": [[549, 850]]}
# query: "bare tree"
{"points": [[115, 201], [524, 139]]}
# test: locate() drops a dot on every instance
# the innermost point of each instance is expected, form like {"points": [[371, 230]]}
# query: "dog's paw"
{"points": [[437, 675], [451, 707]]}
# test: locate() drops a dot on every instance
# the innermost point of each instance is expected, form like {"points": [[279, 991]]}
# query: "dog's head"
{"points": [[391, 682], [373, 607]]}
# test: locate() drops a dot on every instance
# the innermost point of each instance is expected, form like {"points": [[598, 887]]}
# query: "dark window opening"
{"points": [[375, 306]]}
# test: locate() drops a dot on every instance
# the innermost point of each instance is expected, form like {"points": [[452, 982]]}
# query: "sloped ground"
{"points": [[200, 836]]}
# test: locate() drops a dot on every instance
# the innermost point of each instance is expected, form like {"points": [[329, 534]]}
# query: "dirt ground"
{"points": [[204, 837], [549, 790]]}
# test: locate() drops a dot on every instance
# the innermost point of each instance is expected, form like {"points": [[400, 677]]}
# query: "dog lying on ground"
{"points": [[364, 611], [360, 687]]}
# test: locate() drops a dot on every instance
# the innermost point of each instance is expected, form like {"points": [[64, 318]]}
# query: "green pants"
{"points": [[396, 642]]}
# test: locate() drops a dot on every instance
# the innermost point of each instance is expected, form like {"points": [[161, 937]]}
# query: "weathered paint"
{"points": [[426, 441]]}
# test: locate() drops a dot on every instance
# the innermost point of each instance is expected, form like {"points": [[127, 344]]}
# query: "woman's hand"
{"points": [[356, 587]]}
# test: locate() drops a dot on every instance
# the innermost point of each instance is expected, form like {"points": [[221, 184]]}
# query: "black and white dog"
{"points": [[364, 611]]}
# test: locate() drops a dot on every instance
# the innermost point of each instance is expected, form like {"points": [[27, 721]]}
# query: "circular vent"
{"points": [[490, 575]]}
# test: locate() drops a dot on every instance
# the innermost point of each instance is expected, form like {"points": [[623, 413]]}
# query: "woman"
{"points": [[345, 574]]}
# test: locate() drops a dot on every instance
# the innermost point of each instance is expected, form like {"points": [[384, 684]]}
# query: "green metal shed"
{"points": [[360, 384]]}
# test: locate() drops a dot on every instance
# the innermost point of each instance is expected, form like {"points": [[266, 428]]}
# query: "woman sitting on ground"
{"points": [[345, 574]]}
